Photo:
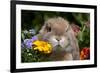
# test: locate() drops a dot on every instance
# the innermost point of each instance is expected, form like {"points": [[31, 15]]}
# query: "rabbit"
{"points": [[59, 33]]}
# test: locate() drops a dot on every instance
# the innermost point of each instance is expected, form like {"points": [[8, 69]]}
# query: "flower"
{"points": [[34, 38], [36, 44], [32, 31], [25, 31], [85, 53], [22, 45], [42, 46], [28, 42]]}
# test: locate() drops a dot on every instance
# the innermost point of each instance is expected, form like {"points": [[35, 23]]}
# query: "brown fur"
{"points": [[61, 30]]}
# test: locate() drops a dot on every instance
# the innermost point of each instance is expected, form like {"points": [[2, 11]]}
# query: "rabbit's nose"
{"points": [[58, 38]]}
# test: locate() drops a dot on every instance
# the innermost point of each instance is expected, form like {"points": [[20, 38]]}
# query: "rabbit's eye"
{"points": [[48, 29]]}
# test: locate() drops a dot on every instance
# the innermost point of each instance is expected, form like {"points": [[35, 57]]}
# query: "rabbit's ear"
{"points": [[73, 43], [43, 30]]}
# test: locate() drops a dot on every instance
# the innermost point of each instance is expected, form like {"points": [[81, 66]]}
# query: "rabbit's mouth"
{"points": [[63, 43], [57, 41]]}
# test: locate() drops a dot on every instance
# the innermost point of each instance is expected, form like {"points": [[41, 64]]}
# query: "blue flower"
{"points": [[28, 43], [22, 45], [34, 38]]}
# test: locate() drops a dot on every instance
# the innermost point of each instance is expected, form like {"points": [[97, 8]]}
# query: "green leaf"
{"points": [[22, 36]]}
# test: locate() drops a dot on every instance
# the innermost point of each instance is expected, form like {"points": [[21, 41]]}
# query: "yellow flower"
{"points": [[42, 46]]}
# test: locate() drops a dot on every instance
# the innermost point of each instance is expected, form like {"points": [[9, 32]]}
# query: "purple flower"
{"points": [[34, 38], [22, 45], [28, 43]]}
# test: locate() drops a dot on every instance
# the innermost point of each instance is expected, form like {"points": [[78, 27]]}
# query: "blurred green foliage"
{"points": [[35, 19], [29, 55], [84, 37]]}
